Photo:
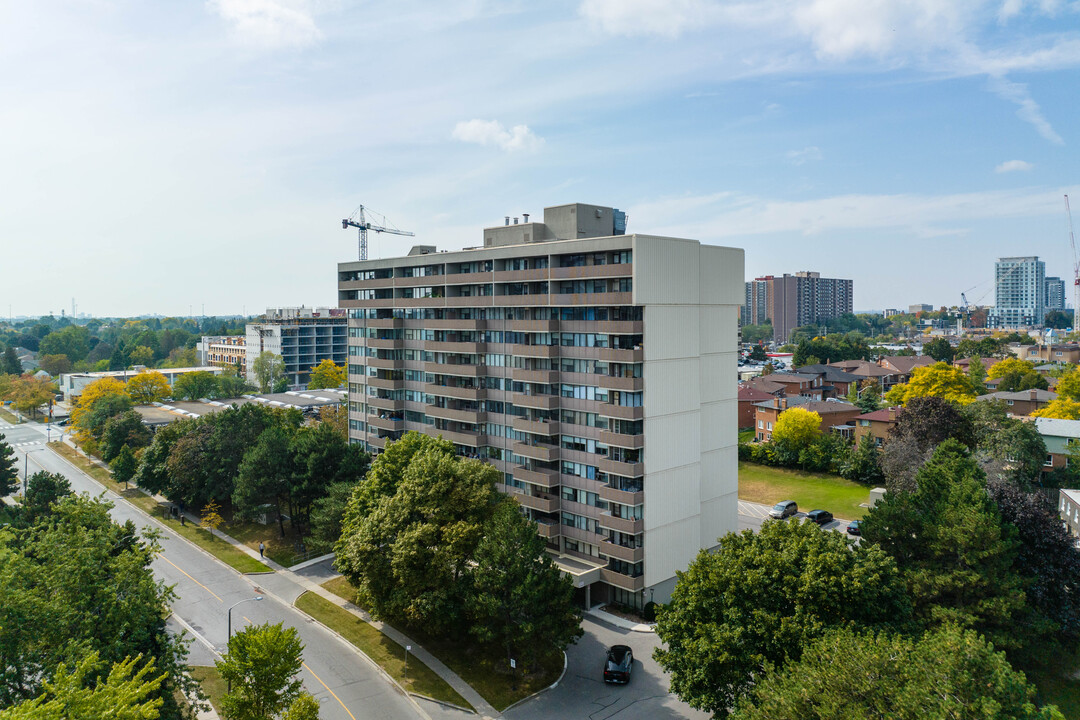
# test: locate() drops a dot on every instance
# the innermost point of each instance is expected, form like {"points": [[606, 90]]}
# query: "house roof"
{"points": [[753, 394], [1073, 495], [863, 368], [906, 363], [763, 383], [830, 373], [796, 401], [791, 377], [1040, 396], [826, 407], [883, 415], [1054, 427]]}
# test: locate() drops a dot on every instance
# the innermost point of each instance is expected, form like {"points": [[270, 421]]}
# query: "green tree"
{"points": [[953, 551], [321, 457], [757, 333], [280, 385], [939, 380], [265, 476], [761, 600], [124, 465], [797, 428], [232, 384], [409, 556], [72, 341], [930, 420], [949, 673], [9, 472], [126, 429], [326, 375], [268, 369], [195, 385], [128, 692], [519, 599], [55, 365], [42, 490], [304, 707], [10, 364], [940, 349], [861, 463], [758, 354], [261, 666], [328, 513], [977, 375]]}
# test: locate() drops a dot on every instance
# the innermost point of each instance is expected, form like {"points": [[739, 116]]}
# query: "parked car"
{"points": [[820, 517], [853, 528], [784, 509], [619, 665]]}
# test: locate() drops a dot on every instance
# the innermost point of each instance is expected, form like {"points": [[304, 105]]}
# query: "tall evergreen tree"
{"points": [[9, 473]]}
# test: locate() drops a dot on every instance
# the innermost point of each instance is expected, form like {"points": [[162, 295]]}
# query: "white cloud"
{"points": [[1028, 110], [492, 132], [269, 24], [666, 18], [807, 154], [1013, 166]]}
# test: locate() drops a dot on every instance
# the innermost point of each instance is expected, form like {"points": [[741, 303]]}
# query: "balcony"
{"points": [[630, 384], [621, 412], [372, 284], [389, 323], [466, 348], [622, 581], [622, 356], [516, 276], [466, 416], [614, 467], [634, 442], [543, 502], [623, 525], [536, 427], [540, 402], [540, 451], [622, 496], [468, 439], [385, 344], [547, 528], [385, 403], [545, 377], [592, 271], [541, 477], [461, 393], [454, 369], [543, 351], [619, 552], [469, 278], [573, 299], [386, 384], [385, 423], [452, 324], [376, 441], [531, 325], [382, 363]]}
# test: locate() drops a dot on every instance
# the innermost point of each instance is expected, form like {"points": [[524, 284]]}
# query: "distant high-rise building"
{"points": [[1055, 294], [303, 337], [805, 298], [1019, 293], [920, 307], [756, 309]]}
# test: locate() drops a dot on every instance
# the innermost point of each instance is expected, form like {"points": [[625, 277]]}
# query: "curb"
{"points": [[356, 650], [444, 703], [309, 563], [552, 686]]}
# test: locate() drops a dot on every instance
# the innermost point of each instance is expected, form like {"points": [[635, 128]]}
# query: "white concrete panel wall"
{"points": [[665, 271], [674, 441]]}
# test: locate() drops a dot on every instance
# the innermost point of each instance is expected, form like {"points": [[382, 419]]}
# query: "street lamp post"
{"points": [[26, 461], [229, 632]]}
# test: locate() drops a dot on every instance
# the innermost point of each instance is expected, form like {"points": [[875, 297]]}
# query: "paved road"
{"points": [[752, 515], [347, 685], [583, 693]]}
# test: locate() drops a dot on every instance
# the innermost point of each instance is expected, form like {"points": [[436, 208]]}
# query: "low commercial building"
{"points": [[72, 384]]}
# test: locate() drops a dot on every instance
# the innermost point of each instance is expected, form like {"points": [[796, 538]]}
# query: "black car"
{"points": [[820, 517], [853, 528], [619, 665]]}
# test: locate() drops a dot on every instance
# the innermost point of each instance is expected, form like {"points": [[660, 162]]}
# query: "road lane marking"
{"points": [[328, 690], [248, 621], [198, 635], [191, 578]]}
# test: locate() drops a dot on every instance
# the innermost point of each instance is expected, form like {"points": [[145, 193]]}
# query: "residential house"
{"points": [[833, 414], [799, 384], [905, 364], [764, 384], [866, 369], [1064, 353], [834, 381], [876, 424], [1058, 435], [748, 396], [1022, 402], [1069, 510]]}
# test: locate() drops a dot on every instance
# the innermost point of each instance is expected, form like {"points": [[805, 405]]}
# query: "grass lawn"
{"points": [[746, 435], [200, 536], [390, 656], [483, 668], [1058, 690], [280, 550], [212, 684], [9, 416], [770, 485]]}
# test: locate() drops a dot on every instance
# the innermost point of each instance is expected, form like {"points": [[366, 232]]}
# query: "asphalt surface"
{"points": [[347, 685]]}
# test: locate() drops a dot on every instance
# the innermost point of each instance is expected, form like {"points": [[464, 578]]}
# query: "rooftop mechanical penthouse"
{"points": [[595, 369]]}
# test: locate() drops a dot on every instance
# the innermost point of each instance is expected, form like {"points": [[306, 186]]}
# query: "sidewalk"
{"points": [[597, 613], [483, 708]]}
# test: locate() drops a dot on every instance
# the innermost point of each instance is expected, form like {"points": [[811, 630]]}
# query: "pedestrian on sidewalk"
{"points": [[261, 549]]}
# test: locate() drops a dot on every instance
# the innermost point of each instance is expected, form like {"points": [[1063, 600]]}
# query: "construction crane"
{"points": [[360, 221], [1076, 269]]}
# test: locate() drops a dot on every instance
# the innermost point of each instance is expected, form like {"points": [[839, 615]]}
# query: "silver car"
{"points": [[784, 509]]}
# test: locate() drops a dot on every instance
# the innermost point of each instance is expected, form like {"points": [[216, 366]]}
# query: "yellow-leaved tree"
{"points": [[326, 375], [1061, 409], [1069, 385], [106, 391], [796, 428], [938, 380], [148, 387], [1009, 365]]}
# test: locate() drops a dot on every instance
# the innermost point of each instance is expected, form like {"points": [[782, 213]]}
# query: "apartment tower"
{"points": [[596, 370], [302, 336], [805, 298], [1019, 293]]}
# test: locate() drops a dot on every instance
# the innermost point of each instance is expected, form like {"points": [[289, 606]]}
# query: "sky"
{"points": [[198, 157]]}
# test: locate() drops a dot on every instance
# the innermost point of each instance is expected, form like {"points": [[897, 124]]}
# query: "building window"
{"points": [[761, 424], [1049, 462]]}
